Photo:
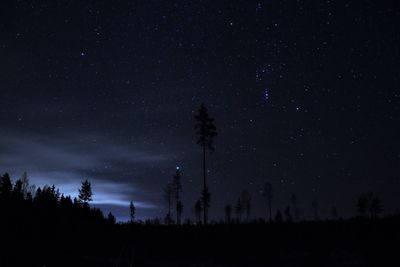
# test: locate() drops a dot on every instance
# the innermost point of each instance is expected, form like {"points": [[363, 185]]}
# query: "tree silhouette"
{"points": [[362, 205], [315, 207], [5, 185], [197, 210], [278, 216], [85, 193], [293, 202], [179, 211], [368, 203], [168, 193], [334, 213], [206, 131], [25, 184], [38, 193], [27, 189], [177, 189], [268, 197], [245, 198], [17, 191], [205, 199], [111, 218], [66, 202], [76, 202], [132, 209], [376, 208], [47, 196], [288, 214], [239, 209], [228, 213]]}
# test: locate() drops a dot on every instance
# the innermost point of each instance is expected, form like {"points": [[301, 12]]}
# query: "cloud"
{"points": [[65, 160], [64, 152]]}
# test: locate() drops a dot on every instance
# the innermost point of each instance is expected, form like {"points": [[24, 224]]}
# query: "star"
{"points": [[266, 94]]}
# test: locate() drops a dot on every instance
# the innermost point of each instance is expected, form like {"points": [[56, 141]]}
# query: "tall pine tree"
{"points": [[206, 131], [85, 193]]}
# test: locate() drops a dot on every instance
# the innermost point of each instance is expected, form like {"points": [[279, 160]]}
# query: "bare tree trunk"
{"points": [[204, 186], [176, 207], [270, 211], [169, 209]]}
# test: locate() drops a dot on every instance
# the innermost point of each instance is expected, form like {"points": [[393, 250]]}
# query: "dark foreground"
{"points": [[340, 243]]}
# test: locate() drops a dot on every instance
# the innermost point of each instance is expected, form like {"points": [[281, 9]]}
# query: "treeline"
{"points": [[368, 205], [40, 226], [46, 207], [52, 229]]}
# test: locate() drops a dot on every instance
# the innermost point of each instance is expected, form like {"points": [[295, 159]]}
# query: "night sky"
{"points": [[305, 94]]}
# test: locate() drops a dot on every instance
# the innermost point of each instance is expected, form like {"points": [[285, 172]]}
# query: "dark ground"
{"points": [[340, 243]]}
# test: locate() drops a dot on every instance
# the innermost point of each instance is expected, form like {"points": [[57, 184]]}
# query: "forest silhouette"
{"points": [[43, 227]]}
